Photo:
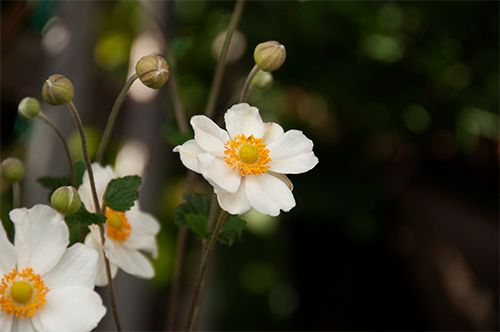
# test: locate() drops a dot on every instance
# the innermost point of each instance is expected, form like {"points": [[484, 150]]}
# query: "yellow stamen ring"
{"points": [[118, 227], [22, 293], [249, 155]]}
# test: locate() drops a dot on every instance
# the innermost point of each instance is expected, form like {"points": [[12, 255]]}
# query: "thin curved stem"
{"points": [[88, 165], [248, 81], [52, 125], [112, 117], [16, 195], [202, 273], [221, 64]]}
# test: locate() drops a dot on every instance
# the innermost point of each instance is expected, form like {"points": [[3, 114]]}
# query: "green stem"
{"points": [[248, 81], [16, 195], [202, 273], [221, 64], [88, 165], [112, 117], [52, 125]]}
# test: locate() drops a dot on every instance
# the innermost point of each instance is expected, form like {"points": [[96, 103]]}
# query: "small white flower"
{"points": [[246, 164], [45, 286], [126, 233]]}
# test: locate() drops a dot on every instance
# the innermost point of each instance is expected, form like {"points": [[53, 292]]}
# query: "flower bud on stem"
{"points": [[12, 170]]}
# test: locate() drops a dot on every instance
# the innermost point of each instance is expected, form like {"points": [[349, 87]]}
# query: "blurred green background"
{"points": [[397, 226]]}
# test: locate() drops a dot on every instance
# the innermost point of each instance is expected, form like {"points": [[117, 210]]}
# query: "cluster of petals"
{"points": [[247, 164], [123, 245], [55, 284]]}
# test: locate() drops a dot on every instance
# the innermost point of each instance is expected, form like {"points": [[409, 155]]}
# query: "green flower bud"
{"points": [[29, 108], [65, 200], [262, 79], [57, 90], [12, 169], [152, 71], [269, 55]]}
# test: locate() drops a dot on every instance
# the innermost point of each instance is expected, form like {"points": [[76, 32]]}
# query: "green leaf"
{"points": [[54, 182], [121, 193], [198, 224], [193, 203], [79, 168], [174, 136], [232, 230], [84, 217]]}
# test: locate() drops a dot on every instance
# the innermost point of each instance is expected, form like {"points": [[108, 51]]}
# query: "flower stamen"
{"points": [[249, 155], [118, 227], [22, 293]]}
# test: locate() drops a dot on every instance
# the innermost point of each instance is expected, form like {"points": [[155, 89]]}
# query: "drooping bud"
{"points": [[269, 55], [28, 108], [262, 79], [152, 70], [57, 90], [12, 169], [65, 200]]}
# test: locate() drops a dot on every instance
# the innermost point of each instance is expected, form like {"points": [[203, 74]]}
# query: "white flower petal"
{"points": [[243, 119], [76, 309], [23, 325], [268, 194], [295, 165], [102, 176], [77, 267], [188, 152], [215, 169], [41, 237], [129, 260], [92, 240], [283, 178], [236, 203], [8, 256], [272, 131], [5, 321], [144, 230], [208, 135]]}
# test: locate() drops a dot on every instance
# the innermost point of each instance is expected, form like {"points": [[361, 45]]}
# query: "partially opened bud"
{"points": [[12, 169], [29, 108], [65, 200], [269, 55], [57, 90], [152, 70]]}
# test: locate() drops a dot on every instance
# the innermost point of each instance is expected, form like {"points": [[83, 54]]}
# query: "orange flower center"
{"points": [[117, 224], [249, 155], [22, 293]]}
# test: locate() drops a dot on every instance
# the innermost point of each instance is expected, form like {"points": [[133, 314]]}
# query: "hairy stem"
{"points": [[52, 125], [88, 165], [202, 273], [16, 195], [248, 81], [112, 117], [221, 64]]}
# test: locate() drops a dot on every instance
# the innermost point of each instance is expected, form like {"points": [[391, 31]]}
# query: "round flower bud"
{"points": [[262, 79], [12, 169], [28, 108], [152, 70], [269, 55], [57, 90], [65, 200]]}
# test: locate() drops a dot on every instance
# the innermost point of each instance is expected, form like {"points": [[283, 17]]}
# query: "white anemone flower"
{"points": [[45, 286], [126, 233], [247, 164]]}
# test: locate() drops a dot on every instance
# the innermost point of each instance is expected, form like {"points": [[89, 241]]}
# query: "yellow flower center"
{"points": [[22, 293], [118, 227], [249, 155]]}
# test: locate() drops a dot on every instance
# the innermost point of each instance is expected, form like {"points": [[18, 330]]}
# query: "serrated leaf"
{"points": [[54, 182], [198, 224], [84, 217], [121, 193], [174, 136], [232, 230], [193, 203], [78, 169]]}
